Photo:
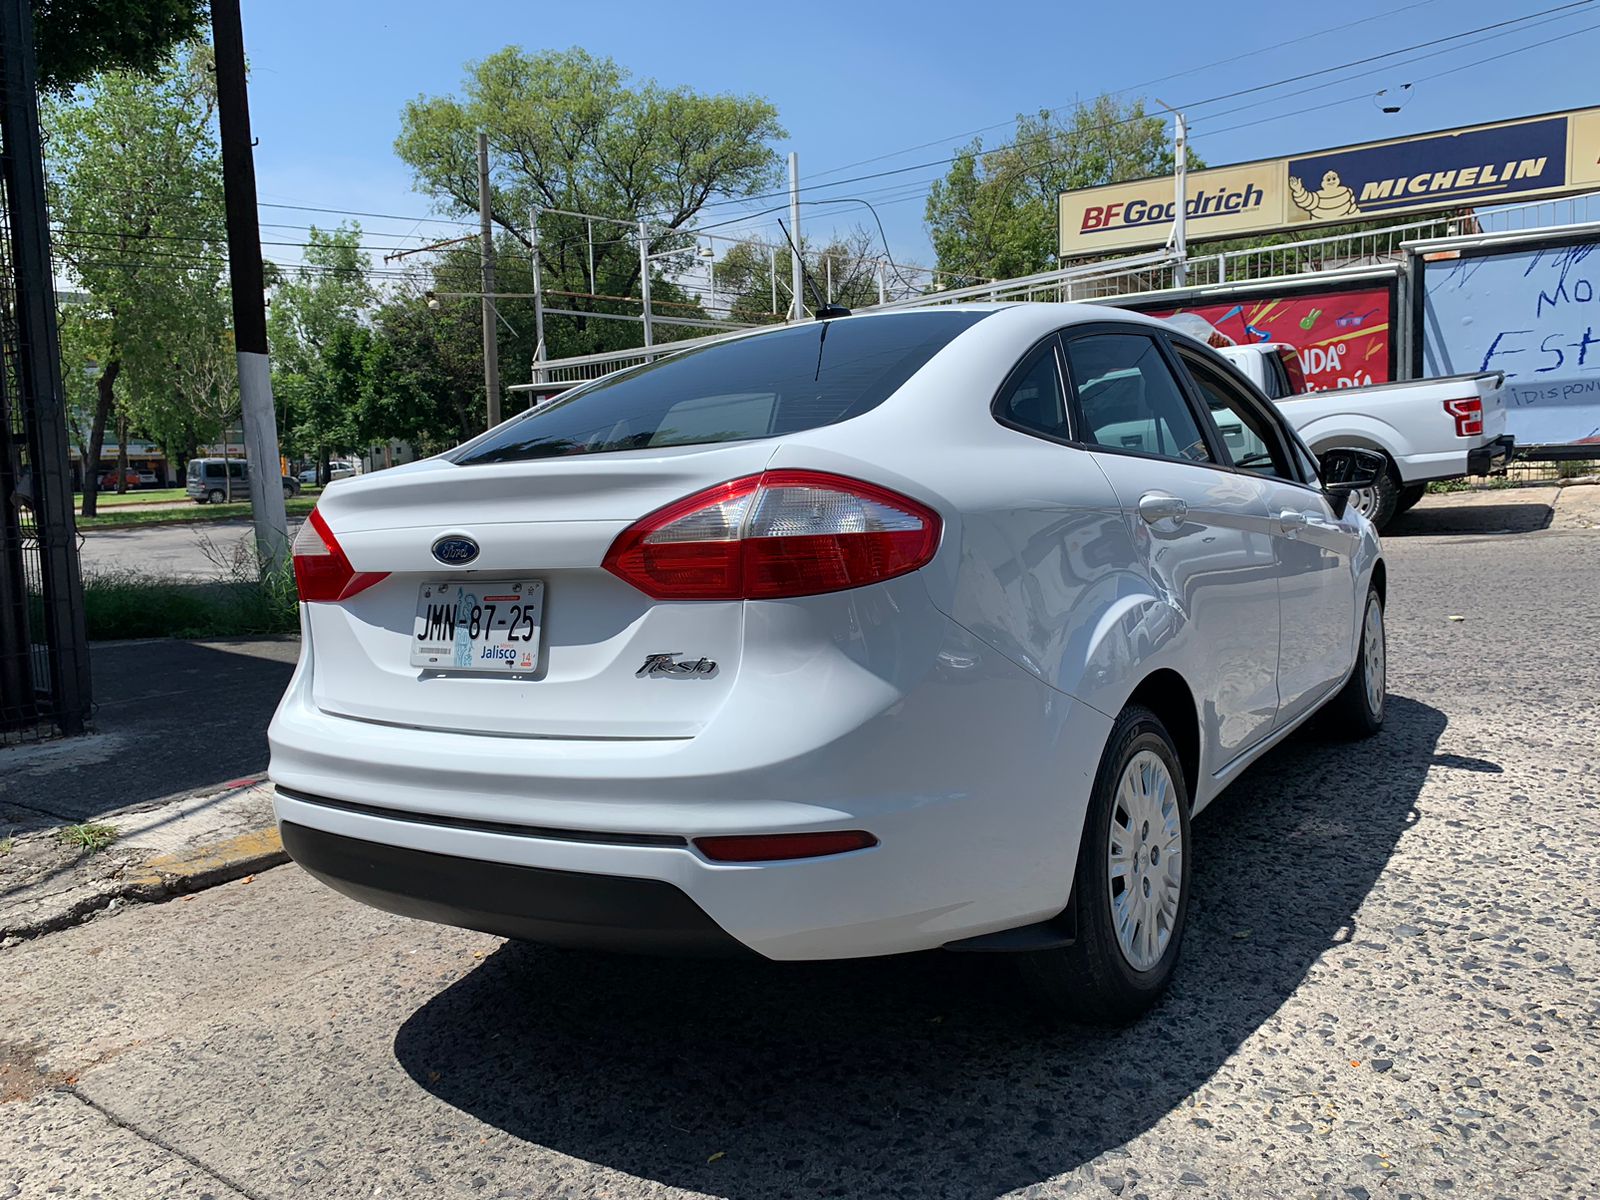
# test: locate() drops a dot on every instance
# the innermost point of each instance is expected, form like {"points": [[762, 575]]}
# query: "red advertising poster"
{"points": [[1343, 337]]}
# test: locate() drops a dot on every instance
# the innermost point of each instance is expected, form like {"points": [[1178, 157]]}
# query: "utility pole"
{"points": [[539, 351], [644, 281], [796, 278], [491, 335], [249, 300], [1180, 181]]}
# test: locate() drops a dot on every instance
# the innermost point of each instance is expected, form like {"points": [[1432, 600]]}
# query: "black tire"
{"points": [[1409, 495], [1358, 710], [1093, 980], [1380, 501], [214, 496]]}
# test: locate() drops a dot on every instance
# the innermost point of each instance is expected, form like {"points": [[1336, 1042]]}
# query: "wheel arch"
{"points": [[1165, 693]]}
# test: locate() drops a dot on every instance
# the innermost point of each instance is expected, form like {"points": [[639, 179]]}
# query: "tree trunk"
{"points": [[97, 432], [122, 453]]}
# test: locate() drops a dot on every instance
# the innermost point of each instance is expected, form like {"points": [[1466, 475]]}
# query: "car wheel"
{"points": [[1379, 502], [1409, 496], [1358, 709], [1131, 889], [214, 496]]}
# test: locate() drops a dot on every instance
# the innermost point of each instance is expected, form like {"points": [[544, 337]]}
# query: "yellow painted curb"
{"points": [[248, 847]]}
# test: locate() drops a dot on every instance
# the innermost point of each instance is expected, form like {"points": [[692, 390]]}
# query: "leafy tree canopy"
{"points": [[76, 39], [994, 214]]}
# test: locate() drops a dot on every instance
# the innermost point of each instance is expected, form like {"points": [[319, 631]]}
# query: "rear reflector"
{"points": [[775, 535], [1468, 414], [321, 570], [775, 847]]}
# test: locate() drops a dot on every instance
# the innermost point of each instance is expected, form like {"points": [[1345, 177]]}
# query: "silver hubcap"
{"points": [[1372, 656], [1145, 853]]}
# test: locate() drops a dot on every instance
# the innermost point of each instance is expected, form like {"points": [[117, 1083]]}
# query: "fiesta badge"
{"points": [[455, 550]]}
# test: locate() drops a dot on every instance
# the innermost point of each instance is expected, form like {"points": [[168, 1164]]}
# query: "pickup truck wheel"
{"points": [[1379, 502], [1409, 496], [1131, 886], [1357, 711]]}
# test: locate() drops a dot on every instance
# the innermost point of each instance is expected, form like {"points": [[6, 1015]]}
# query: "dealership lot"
{"points": [[1391, 986]]}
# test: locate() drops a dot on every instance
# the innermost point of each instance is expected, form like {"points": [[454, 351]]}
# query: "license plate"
{"points": [[483, 625]]}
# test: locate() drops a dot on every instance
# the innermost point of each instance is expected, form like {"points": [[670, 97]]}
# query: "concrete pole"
{"points": [[540, 351], [772, 270], [491, 335], [883, 297], [796, 278], [644, 282], [1180, 171], [257, 411]]}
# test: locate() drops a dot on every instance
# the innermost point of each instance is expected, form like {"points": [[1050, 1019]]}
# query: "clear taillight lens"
{"points": [[1468, 414], [775, 535], [321, 570]]}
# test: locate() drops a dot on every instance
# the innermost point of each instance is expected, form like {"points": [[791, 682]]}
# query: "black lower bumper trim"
{"points": [[558, 908], [1491, 457]]}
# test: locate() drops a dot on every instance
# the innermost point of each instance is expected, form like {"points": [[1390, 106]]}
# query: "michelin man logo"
{"points": [[1333, 202]]}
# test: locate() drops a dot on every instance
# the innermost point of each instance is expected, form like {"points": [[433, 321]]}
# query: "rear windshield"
{"points": [[772, 384]]}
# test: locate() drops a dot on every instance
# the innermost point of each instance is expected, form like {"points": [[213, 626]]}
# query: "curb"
{"points": [[151, 877]]}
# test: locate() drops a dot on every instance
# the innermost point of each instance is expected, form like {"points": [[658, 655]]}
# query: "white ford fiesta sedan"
{"points": [[877, 634]]}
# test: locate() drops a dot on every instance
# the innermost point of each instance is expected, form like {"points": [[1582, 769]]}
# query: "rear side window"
{"points": [[1130, 399], [1033, 399], [768, 385]]}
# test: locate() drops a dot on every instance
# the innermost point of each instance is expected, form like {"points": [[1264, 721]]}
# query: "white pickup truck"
{"points": [[1428, 429]]}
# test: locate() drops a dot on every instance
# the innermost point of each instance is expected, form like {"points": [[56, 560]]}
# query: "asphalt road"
{"points": [[1391, 987], [203, 550]]}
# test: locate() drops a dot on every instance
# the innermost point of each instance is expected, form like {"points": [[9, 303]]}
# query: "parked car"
{"points": [[132, 478], [215, 480], [873, 635], [1426, 429], [337, 469]]}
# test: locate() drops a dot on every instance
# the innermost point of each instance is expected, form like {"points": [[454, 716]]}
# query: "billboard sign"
{"points": [[1530, 312], [1474, 165], [1343, 336]]}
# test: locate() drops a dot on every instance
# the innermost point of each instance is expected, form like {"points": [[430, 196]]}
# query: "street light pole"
{"points": [[540, 353], [249, 300], [796, 279], [491, 335]]}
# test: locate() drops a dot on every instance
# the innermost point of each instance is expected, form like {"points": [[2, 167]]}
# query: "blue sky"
{"points": [[859, 81]]}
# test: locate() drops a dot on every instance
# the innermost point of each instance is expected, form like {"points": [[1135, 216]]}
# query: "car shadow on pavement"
{"points": [[929, 1075], [1428, 521]]}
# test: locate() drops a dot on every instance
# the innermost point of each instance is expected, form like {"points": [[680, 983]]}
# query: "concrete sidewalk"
{"points": [[174, 764], [50, 880]]}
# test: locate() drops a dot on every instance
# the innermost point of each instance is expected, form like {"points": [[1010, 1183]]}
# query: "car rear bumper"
{"points": [[1491, 457], [559, 908], [975, 783]]}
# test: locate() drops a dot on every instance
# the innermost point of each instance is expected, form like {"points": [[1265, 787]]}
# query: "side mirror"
{"points": [[1346, 469]]}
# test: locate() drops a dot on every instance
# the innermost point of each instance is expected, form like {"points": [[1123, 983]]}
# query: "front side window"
{"points": [[772, 384], [1130, 399], [1251, 441]]}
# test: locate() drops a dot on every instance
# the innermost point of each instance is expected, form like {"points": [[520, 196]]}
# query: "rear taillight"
{"points": [[774, 535], [1468, 414], [321, 570]]}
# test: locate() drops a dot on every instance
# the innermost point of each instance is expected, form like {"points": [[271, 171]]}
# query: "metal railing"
{"points": [[1155, 272]]}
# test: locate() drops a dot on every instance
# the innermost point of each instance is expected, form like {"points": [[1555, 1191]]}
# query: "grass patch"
{"points": [[5, 845], [87, 839], [200, 514], [137, 496]]}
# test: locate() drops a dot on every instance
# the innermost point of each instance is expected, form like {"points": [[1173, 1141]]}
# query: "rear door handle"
{"points": [[1158, 506], [1289, 520]]}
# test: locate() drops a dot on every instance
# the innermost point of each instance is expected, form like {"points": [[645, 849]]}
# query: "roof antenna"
{"points": [[824, 310]]}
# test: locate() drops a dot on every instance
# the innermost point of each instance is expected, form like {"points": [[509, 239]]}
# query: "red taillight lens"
{"points": [[321, 570], [774, 847], [775, 535], [1468, 414]]}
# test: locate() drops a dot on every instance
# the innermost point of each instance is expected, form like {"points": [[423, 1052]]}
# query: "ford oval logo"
{"points": [[455, 551]]}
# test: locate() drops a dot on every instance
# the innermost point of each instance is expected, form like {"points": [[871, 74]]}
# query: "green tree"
{"points": [[75, 39], [571, 131], [745, 276], [316, 307], [135, 189], [994, 214]]}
